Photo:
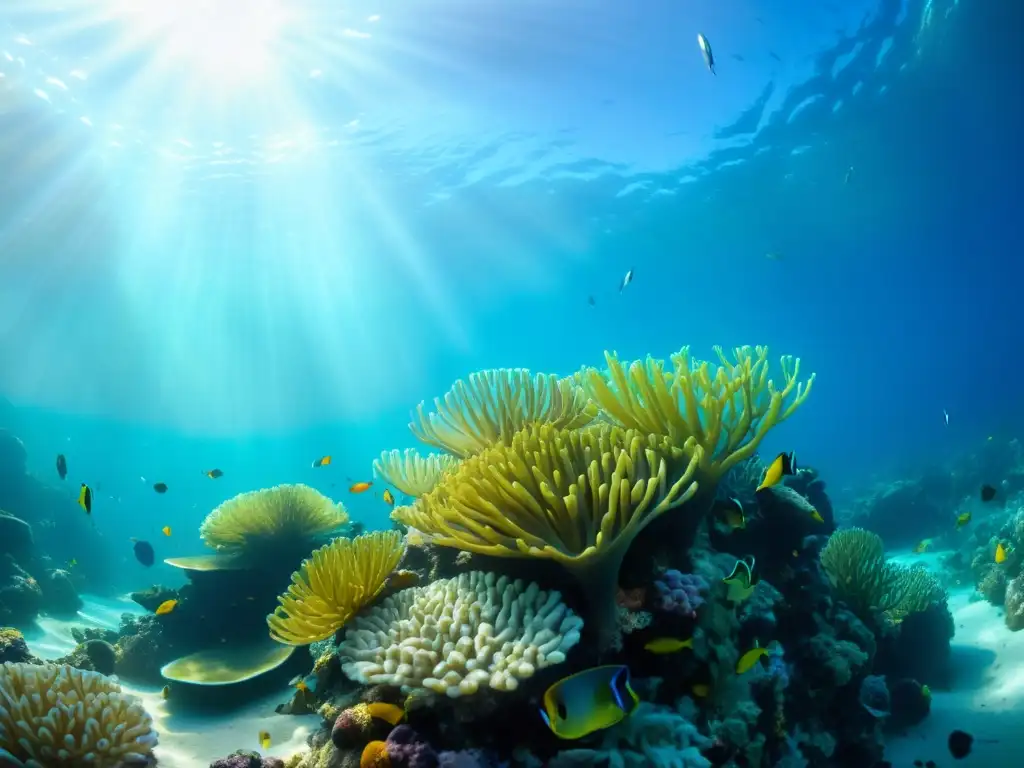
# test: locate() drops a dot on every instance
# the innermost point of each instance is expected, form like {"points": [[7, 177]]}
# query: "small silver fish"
{"points": [[849, 175], [705, 49], [626, 281], [945, 415]]}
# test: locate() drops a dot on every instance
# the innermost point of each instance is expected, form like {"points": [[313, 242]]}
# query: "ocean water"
{"points": [[247, 235]]}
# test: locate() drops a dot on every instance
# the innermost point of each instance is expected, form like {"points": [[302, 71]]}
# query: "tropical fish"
{"points": [[160, 487], [213, 474], [730, 512], [750, 658], [361, 487], [945, 415], [784, 464], [922, 546], [816, 516], [1001, 553], [741, 581], [626, 280], [264, 738], [144, 552], [705, 51], [166, 607], [700, 690], [305, 683], [62, 466], [663, 645], [390, 713], [323, 461], [962, 519], [85, 499], [166, 530], [960, 744], [165, 692], [589, 701], [389, 497], [72, 563], [987, 493]]}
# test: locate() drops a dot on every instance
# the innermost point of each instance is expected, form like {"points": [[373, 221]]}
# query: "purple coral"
{"points": [[680, 593], [407, 749], [242, 759]]}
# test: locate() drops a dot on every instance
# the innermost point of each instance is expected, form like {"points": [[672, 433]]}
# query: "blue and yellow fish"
{"points": [[784, 464], [589, 701]]}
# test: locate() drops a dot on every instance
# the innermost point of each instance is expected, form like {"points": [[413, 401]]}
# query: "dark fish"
{"points": [[960, 743], [144, 552], [774, 56], [591, 301], [213, 474], [737, 57], [987, 493], [160, 487], [85, 499], [62, 466]]}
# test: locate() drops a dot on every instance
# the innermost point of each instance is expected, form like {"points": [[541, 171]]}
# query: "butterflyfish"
{"points": [[62, 466], [160, 487], [730, 512], [705, 51], [741, 581], [85, 498], [389, 497], [166, 607], [1000, 553], [750, 658], [264, 740], [359, 487], [166, 530], [213, 474], [589, 701], [323, 461], [962, 519], [987, 491], [144, 552], [784, 464], [663, 645]]}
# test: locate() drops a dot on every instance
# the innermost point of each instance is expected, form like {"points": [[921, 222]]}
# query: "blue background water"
{"points": [[247, 273]]}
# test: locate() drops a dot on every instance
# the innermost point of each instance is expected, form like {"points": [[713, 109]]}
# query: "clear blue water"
{"points": [[245, 240]]}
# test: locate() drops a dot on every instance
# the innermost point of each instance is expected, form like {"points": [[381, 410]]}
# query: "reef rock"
{"points": [[1014, 604], [151, 598], [13, 647], [13, 456], [906, 511], [15, 537], [59, 593], [243, 759], [20, 596]]}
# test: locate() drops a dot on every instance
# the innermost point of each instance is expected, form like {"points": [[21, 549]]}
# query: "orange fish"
{"points": [[323, 461], [389, 497], [166, 530], [359, 487]]}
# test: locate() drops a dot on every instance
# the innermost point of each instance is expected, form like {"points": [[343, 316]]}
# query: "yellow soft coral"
{"points": [[576, 496], [331, 586], [491, 406], [727, 408], [274, 522], [411, 473], [57, 715]]}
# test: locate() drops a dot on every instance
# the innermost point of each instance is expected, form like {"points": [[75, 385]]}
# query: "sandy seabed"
{"points": [[185, 741]]}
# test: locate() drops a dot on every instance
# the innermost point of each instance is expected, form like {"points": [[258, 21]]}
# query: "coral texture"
{"points": [[458, 635], [680, 593], [411, 473]]}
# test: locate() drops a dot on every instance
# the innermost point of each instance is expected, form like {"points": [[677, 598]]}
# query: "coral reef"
{"points": [[411, 473], [243, 759]]}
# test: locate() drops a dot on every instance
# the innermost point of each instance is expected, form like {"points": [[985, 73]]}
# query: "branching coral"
{"points": [[333, 585], [578, 497], [411, 473], [726, 408], [275, 521], [493, 405], [854, 560], [459, 635], [56, 715]]}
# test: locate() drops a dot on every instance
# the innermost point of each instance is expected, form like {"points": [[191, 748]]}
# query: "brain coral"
{"points": [[452, 636], [56, 715]]}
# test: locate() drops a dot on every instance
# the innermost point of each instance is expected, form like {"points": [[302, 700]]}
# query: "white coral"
{"points": [[56, 715], [454, 636], [411, 473]]}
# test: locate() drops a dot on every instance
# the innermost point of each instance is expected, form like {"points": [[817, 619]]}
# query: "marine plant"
{"points": [[726, 408], [56, 715], [332, 585], [273, 522], [855, 562], [575, 496], [411, 473]]}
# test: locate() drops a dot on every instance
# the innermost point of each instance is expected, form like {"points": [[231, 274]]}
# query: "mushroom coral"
{"points": [[575, 496]]}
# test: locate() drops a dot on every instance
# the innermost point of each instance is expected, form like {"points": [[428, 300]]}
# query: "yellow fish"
{"points": [[85, 499], [264, 740], [166, 530], [730, 512], [962, 519], [389, 497], [72, 563], [1001, 553], [668, 645], [741, 581], [589, 701], [816, 516], [700, 690], [784, 464], [165, 692], [922, 546], [390, 713], [750, 658], [166, 607]]}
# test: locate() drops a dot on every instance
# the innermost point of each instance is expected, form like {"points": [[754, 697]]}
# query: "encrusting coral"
{"points": [[411, 473], [576, 496], [458, 635], [333, 585], [490, 406], [727, 408], [273, 522], [56, 715]]}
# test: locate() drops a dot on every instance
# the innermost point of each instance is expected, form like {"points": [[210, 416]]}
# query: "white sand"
{"points": [[185, 741]]}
